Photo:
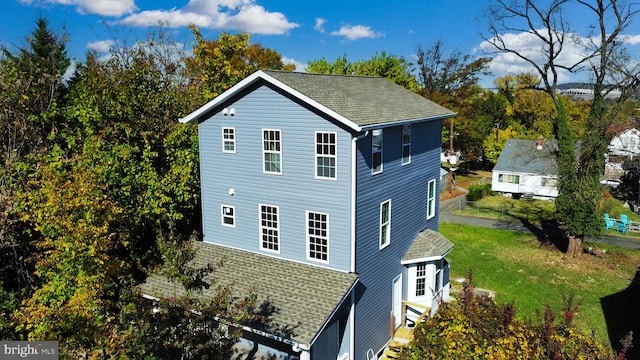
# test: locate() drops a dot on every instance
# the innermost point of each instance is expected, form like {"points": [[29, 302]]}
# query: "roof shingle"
{"points": [[305, 296], [365, 100], [428, 244]]}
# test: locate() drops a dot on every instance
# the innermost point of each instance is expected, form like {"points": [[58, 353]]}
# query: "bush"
{"points": [[475, 327], [477, 192]]}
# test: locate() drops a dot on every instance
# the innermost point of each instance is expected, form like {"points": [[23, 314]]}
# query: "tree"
{"points": [[395, 69], [475, 327], [31, 93], [219, 64], [452, 77], [579, 190]]}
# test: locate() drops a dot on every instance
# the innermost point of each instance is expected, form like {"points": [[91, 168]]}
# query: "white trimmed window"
{"points": [[228, 140], [228, 215], [318, 236], [376, 151], [326, 155], [385, 224], [421, 279], [272, 151], [269, 228], [406, 144], [431, 199], [507, 178]]}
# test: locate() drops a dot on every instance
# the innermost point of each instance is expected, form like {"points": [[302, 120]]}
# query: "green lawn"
{"points": [[517, 268]]}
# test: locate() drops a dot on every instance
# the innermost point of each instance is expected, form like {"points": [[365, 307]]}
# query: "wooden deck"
{"points": [[402, 336]]}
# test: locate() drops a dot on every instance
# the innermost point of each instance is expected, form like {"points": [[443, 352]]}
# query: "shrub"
{"points": [[477, 192], [475, 327]]}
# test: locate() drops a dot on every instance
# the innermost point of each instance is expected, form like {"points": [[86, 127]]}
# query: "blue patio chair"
{"points": [[623, 224], [609, 223]]}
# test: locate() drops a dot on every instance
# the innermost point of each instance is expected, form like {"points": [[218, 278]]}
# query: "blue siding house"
{"points": [[321, 193]]}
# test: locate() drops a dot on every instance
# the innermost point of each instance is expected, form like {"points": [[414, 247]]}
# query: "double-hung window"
{"points": [[385, 224], [376, 151], [406, 144], [228, 217], [318, 236], [431, 199], [269, 229], [326, 155], [228, 140], [272, 151]]}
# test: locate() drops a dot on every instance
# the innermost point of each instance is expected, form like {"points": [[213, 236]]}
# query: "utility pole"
{"points": [[451, 163]]}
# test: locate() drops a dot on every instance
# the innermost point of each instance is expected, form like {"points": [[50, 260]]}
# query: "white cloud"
{"points": [[531, 47], [100, 7], [300, 67], [355, 32], [631, 39], [242, 15], [320, 24], [101, 46]]}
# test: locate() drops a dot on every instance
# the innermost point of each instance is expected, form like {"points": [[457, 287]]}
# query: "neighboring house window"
{"points": [[406, 144], [228, 140], [228, 216], [376, 151], [431, 199], [326, 155], [318, 236], [272, 151], [269, 230], [511, 179], [385, 224], [421, 279], [549, 182]]}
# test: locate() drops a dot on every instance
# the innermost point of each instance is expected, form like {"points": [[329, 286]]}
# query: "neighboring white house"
{"points": [[527, 167], [623, 149]]}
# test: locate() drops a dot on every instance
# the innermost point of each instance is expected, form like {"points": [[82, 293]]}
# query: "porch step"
{"points": [[527, 196], [403, 335], [390, 354]]}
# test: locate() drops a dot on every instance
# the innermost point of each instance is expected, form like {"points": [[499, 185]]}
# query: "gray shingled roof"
{"points": [[304, 295], [522, 156], [428, 244], [365, 100]]}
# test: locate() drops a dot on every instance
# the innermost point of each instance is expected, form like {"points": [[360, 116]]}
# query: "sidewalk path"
{"points": [[447, 214]]}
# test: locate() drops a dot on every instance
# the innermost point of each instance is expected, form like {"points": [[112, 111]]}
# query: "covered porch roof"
{"points": [[305, 297], [429, 245]]}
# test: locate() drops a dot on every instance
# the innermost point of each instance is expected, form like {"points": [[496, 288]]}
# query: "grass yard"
{"points": [[518, 269]]}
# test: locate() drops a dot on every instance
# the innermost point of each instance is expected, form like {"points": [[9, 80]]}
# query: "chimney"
{"points": [[540, 142]]}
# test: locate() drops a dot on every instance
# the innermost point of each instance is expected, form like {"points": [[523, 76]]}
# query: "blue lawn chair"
{"points": [[623, 225], [609, 223]]}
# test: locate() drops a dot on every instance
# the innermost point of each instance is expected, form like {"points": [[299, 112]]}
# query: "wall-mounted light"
{"points": [[225, 111], [232, 191], [232, 111]]}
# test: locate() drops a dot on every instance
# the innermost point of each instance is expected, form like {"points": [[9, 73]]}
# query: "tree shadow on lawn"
{"points": [[622, 314], [548, 232]]}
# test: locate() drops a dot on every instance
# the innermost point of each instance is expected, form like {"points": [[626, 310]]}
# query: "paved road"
{"points": [[447, 214]]}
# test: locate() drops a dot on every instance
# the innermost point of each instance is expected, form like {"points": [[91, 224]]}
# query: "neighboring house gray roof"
{"points": [[305, 296], [356, 101], [428, 245], [523, 156]]}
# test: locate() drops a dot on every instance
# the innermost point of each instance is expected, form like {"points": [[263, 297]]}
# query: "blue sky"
{"points": [[299, 31]]}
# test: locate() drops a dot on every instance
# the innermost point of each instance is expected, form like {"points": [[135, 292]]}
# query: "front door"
{"points": [[397, 299]]}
